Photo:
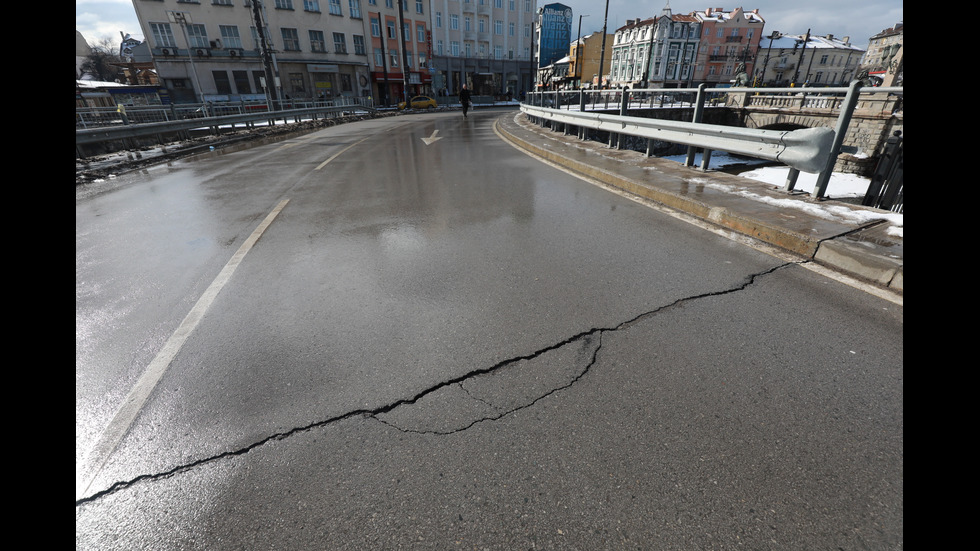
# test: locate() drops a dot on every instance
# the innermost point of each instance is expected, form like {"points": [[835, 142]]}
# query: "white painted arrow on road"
{"points": [[431, 139]]}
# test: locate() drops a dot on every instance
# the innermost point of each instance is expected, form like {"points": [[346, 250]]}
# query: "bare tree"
{"points": [[104, 62]]}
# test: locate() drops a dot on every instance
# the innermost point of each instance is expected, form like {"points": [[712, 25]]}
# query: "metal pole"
{"points": [[602, 53], [401, 21], [578, 50], [270, 76]]}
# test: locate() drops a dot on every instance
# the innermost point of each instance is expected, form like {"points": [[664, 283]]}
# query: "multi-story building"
{"points": [[804, 60], [585, 54], [400, 53], [631, 52], [552, 38], [885, 56], [485, 44], [217, 49], [728, 39], [676, 43]]}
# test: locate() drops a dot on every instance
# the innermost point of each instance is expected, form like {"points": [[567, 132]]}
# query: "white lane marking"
{"points": [[338, 154], [130, 408]]}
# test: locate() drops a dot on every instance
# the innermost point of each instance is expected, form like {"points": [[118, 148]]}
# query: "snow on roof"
{"points": [[787, 41], [98, 84]]}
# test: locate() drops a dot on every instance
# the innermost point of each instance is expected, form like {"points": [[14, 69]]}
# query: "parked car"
{"points": [[419, 102]]}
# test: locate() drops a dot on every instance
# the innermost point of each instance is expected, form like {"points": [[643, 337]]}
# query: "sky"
{"points": [[96, 19]]}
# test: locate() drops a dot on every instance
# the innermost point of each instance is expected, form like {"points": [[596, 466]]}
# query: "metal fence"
{"points": [[95, 117], [813, 150], [886, 190]]}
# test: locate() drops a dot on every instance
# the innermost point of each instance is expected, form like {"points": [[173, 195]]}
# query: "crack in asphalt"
{"points": [[375, 413]]}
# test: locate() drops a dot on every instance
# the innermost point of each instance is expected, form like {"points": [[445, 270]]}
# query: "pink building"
{"points": [[727, 39]]}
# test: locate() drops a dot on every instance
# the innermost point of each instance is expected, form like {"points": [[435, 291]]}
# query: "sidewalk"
{"points": [[858, 241]]}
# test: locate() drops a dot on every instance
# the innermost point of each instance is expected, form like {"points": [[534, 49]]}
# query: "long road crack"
{"points": [[483, 387]]}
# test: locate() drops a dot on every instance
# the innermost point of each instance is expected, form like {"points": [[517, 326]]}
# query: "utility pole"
{"points": [[401, 21], [802, 53], [578, 50], [271, 78], [602, 53]]}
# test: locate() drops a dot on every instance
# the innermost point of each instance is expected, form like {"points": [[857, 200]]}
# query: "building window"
{"points": [[290, 40], [375, 27], [393, 58], [359, 45], [420, 32], [335, 7], [230, 37], [221, 83], [418, 6], [438, 19], [163, 36], [284, 4], [242, 85], [355, 9], [453, 22], [498, 27], [391, 28], [197, 36], [454, 48], [317, 42], [311, 5], [339, 43], [296, 83]]}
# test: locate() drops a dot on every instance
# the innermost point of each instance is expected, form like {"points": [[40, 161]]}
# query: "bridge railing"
{"points": [[813, 150], [160, 131], [97, 117]]}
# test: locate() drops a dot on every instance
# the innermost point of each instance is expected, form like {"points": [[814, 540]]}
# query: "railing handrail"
{"points": [[95, 135], [807, 150]]}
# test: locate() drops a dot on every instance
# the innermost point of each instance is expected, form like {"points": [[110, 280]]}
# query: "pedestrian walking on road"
{"points": [[464, 98]]}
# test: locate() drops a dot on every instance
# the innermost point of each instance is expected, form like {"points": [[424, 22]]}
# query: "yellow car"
{"points": [[419, 102]]}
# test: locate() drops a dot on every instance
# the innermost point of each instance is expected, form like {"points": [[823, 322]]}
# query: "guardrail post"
{"points": [[840, 129], [581, 109], [791, 179], [623, 110], [698, 116]]}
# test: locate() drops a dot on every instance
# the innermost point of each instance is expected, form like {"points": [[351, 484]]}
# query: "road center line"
{"points": [[338, 154], [130, 408]]}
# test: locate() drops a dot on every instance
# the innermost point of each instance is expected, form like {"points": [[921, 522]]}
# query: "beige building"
{"points": [[212, 50], [886, 56], [584, 60], [485, 44]]}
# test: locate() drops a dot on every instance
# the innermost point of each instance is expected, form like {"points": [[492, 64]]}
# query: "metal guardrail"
{"points": [[813, 150], [160, 129]]}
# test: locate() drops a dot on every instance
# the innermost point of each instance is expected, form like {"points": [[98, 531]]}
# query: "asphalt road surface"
{"points": [[404, 333]]}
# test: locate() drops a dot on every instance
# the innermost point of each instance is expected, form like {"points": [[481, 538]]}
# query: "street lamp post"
{"points": [[183, 19], [602, 53], [578, 50], [771, 37]]}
